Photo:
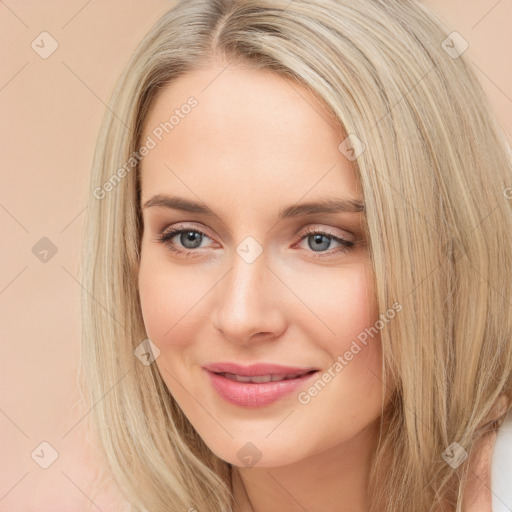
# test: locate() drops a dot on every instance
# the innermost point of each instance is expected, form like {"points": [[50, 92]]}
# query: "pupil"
{"points": [[318, 242], [191, 237]]}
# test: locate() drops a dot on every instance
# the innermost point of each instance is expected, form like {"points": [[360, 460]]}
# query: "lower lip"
{"points": [[255, 394]]}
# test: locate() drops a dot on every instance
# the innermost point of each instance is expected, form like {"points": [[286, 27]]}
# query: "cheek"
{"points": [[348, 309], [167, 300], [358, 340], [348, 393], [343, 302], [357, 304]]}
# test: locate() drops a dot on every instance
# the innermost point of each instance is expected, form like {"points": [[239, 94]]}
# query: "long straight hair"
{"points": [[436, 181]]}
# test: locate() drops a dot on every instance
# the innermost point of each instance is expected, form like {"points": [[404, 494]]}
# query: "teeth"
{"points": [[259, 378]]}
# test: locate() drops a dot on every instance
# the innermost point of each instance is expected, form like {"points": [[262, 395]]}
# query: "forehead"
{"points": [[252, 134]]}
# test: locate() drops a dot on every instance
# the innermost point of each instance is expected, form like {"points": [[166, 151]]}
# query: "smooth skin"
{"points": [[254, 144]]}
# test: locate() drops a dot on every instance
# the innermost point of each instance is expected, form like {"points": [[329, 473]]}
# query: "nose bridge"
{"points": [[245, 305], [245, 284]]}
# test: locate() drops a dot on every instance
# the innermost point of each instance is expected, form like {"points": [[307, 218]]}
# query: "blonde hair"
{"points": [[434, 175]]}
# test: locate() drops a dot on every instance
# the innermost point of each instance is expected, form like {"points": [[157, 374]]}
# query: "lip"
{"points": [[252, 394], [256, 369]]}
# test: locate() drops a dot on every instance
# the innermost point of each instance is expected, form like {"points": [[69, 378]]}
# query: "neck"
{"points": [[331, 481]]}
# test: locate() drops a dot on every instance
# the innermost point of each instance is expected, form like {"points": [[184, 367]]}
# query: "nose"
{"points": [[250, 303]]}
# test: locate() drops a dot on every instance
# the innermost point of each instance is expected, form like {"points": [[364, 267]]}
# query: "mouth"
{"points": [[258, 369], [259, 379], [260, 388]]}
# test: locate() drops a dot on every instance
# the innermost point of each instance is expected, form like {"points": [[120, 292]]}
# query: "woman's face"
{"points": [[246, 283]]}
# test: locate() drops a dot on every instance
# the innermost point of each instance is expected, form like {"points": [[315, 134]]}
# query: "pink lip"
{"points": [[252, 394], [257, 369]]}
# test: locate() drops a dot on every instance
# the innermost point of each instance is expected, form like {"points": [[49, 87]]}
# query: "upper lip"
{"points": [[257, 369]]}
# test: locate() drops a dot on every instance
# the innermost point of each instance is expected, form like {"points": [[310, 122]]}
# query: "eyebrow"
{"points": [[334, 205]]}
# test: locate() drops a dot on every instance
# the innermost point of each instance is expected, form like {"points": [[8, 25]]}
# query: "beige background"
{"points": [[51, 111]]}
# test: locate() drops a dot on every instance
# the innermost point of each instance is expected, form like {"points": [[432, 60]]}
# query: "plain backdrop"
{"points": [[51, 110]]}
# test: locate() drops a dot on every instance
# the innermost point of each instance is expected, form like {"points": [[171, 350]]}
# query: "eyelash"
{"points": [[166, 237]]}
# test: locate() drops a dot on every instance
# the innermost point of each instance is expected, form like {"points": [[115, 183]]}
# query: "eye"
{"points": [[188, 239], [318, 241]]}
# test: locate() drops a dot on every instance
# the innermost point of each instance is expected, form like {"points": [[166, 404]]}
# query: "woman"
{"points": [[296, 263]]}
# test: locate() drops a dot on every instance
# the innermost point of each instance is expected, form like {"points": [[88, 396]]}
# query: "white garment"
{"points": [[501, 468]]}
